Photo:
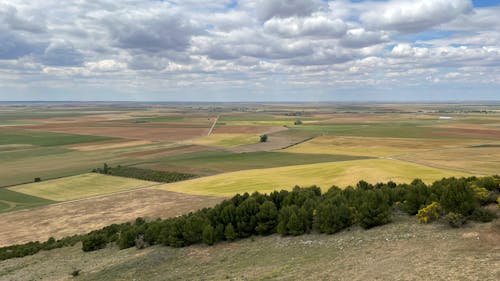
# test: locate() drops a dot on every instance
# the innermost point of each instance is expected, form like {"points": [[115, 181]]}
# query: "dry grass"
{"points": [[477, 160], [80, 186], [82, 216], [323, 174]]}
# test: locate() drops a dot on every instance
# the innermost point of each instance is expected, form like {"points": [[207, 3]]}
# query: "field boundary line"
{"points": [[213, 125], [87, 198]]}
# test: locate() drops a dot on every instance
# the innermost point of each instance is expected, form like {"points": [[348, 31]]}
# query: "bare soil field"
{"points": [[81, 216]]}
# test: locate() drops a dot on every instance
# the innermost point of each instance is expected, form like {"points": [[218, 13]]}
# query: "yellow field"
{"points": [[478, 160], [226, 140], [81, 186], [323, 174], [367, 146]]}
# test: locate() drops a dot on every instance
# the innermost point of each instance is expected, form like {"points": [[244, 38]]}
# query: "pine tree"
{"points": [[229, 233], [208, 235]]}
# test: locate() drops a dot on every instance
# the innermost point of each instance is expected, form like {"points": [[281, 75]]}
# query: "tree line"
{"points": [[142, 174], [295, 212]]}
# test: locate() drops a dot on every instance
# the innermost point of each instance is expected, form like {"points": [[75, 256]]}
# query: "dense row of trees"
{"points": [[302, 210], [143, 174]]}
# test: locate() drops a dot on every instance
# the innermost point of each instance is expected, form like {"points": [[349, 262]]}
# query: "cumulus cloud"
{"points": [[62, 53], [414, 16], [247, 44], [310, 26], [267, 9], [150, 32]]}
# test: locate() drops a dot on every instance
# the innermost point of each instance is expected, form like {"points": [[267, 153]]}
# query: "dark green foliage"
{"points": [[143, 174], [37, 179], [267, 218], [94, 242], [374, 210], [416, 197], [75, 272], [263, 138], [458, 198], [332, 215], [246, 217], [229, 233], [483, 215], [209, 235]]}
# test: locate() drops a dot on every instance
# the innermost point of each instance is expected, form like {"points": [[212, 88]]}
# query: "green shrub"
{"points": [[208, 235], [229, 233], [459, 198], [374, 210], [455, 219], [93, 242], [483, 215]]}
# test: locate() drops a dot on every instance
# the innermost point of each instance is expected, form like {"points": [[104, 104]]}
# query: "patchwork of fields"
{"points": [[320, 145], [323, 175]]}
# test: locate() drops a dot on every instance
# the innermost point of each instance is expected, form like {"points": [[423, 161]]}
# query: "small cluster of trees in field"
{"points": [[302, 210], [143, 174]]}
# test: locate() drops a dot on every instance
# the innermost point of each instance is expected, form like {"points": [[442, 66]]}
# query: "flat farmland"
{"points": [[210, 162], [157, 133], [82, 216], [80, 186], [480, 159], [23, 166], [11, 136], [14, 201], [324, 175], [376, 147], [226, 140]]}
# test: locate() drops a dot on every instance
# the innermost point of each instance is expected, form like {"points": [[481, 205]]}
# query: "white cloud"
{"points": [[413, 15]]}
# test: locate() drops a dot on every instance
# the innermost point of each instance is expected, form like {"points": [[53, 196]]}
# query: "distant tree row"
{"points": [[302, 210], [143, 174]]}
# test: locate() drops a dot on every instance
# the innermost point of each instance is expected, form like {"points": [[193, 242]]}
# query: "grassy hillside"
{"points": [[81, 186], [398, 251], [323, 174]]}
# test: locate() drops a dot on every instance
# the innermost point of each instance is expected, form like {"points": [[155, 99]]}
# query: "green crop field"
{"points": [[44, 138], [220, 161], [81, 186], [13, 201], [226, 140], [324, 175]]}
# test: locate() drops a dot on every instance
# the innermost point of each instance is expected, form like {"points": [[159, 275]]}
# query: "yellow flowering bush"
{"points": [[429, 213]]}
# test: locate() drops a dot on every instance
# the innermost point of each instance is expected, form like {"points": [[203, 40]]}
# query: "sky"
{"points": [[254, 50]]}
